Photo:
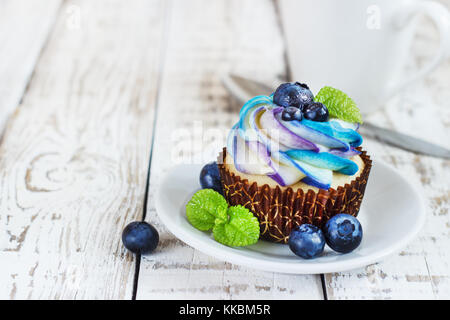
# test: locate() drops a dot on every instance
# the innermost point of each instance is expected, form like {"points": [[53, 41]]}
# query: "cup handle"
{"points": [[441, 18]]}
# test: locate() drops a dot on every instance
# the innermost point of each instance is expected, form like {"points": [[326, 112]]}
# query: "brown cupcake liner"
{"points": [[279, 211]]}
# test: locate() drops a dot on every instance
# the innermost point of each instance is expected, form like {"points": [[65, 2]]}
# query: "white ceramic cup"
{"points": [[358, 46]]}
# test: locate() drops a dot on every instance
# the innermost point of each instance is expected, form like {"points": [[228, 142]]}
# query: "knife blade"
{"points": [[243, 89]]}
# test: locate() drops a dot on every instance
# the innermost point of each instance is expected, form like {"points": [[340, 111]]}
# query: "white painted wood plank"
{"points": [[422, 269], [74, 158], [206, 38], [24, 27]]}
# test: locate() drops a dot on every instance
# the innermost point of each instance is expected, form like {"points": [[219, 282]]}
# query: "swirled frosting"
{"points": [[262, 143]]}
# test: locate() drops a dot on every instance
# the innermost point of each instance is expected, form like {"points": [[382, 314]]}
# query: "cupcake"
{"points": [[293, 158]]}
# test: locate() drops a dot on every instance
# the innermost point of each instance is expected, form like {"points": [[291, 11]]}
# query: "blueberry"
{"points": [[343, 233], [293, 94], [140, 237], [307, 241], [210, 177], [291, 113], [316, 111]]}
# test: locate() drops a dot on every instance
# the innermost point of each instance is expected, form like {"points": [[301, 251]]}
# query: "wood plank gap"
{"points": [[324, 286], [163, 50], [136, 275]]}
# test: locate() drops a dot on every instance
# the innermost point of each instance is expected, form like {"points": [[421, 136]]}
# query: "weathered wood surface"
{"points": [[206, 38], [74, 156], [422, 269], [24, 27]]}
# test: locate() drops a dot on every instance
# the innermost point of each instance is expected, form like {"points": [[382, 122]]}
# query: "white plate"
{"points": [[392, 213]]}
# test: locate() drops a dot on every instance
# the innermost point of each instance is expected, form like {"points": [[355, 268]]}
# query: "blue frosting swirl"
{"points": [[290, 151]]}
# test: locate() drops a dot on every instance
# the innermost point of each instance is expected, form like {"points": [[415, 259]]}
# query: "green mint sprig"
{"points": [[339, 104], [233, 226]]}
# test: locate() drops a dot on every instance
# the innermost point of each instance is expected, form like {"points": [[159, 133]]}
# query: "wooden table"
{"points": [[91, 94]]}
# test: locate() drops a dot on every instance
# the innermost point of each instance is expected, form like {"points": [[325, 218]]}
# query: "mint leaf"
{"points": [[339, 104], [205, 207], [241, 229]]}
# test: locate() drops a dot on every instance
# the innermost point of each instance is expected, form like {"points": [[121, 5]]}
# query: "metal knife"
{"points": [[243, 89]]}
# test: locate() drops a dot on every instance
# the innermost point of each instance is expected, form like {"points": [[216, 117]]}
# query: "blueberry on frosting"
{"points": [[316, 111]]}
